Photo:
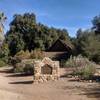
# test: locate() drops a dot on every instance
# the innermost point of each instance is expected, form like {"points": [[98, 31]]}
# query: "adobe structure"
{"points": [[46, 70]]}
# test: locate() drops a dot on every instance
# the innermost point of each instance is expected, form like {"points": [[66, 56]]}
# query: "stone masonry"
{"points": [[46, 70]]}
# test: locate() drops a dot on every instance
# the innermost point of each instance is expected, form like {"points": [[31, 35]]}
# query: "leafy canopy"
{"points": [[26, 34]]}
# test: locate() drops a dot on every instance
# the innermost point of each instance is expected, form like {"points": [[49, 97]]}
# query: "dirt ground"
{"points": [[16, 87]]}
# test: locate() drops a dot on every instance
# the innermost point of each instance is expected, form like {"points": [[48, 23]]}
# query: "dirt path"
{"points": [[15, 87]]}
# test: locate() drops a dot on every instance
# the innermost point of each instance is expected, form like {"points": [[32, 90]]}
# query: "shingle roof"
{"points": [[66, 44]]}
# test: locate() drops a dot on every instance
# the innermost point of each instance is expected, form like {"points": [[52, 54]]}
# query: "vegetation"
{"points": [[23, 54], [28, 69], [37, 54], [77, 61], [26, 34], [13, 61], [2, 19], [87, 72], [2, 63], [87, 42], [27, 39], [25, 67], [82, 67], [4, 52]]}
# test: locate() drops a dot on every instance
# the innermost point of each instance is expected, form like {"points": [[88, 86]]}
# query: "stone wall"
{"points": [[46, 70]]}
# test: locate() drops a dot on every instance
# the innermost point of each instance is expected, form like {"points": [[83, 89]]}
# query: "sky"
{"points": [[68, 14]]}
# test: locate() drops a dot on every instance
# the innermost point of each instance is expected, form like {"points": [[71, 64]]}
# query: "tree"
{"points": [[89, 50], [96, 23], [25, 30], [20, 36], [15, 43], [2, 19], [85, 43], [4, 52], [77, 42], [79, 33]]}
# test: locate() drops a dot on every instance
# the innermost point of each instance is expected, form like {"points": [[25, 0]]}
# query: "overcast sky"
{"points": [[69, 14]]}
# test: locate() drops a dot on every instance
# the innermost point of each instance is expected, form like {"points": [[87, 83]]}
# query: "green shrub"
{"points": [[20, 53], [28, 69], [19, 68], [2, 63], [88, 71], [23, 54], [63, 63], [37, 54], [4, 52], [14, 60], [85, 72], [77, 61], [83, 68], [24, 67]]}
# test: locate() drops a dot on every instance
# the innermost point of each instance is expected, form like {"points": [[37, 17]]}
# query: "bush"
{"points": [[2, 63], [37, 54], [83, 68], [77, 61], [4, 52], [86, 72], [23, 54], [28, 69], [19, 68], [13, 61], [24, 67]]}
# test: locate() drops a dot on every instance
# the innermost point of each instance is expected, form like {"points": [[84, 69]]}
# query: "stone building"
{"points": [[46, 70]]}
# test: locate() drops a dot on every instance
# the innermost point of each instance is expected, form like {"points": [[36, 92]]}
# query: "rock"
{"points": [[90, 81]]}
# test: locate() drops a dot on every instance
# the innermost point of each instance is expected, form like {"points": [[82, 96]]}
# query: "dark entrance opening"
{"points": [[46, 69]]}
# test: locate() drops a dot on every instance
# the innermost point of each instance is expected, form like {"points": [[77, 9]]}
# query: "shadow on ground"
{"points": [[92, 92], [10, 72], [18, 75], [22, 82], [7, 70]]}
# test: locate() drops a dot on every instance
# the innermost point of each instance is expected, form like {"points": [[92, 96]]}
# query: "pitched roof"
{"points": [[65, 46]]}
